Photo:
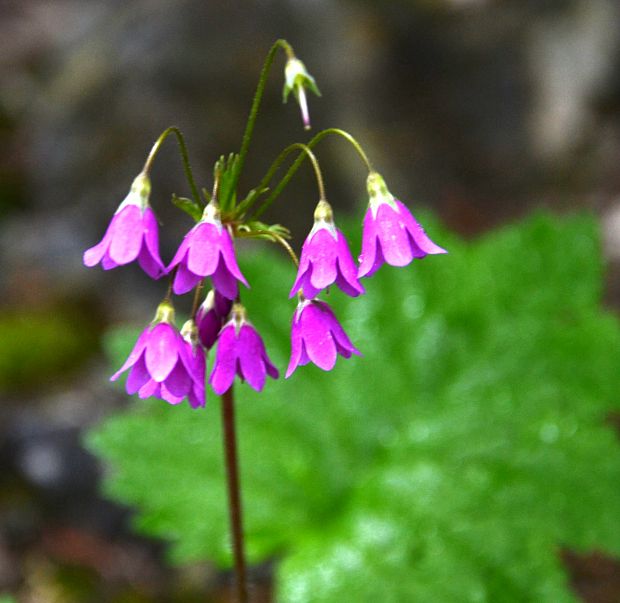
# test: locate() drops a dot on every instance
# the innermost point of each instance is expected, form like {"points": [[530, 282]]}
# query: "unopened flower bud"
{"points": [[297, 80]]}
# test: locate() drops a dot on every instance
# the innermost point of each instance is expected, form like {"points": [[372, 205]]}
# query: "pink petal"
{"points": [[148, 258], [250, 350], [138, 348], [421, 241], [199, 369], [127, 232], [151, 388], [179, 381], [168, 396], [196, 397], [319, 343], [223, 373], [306, 285], [296, 345], [347, 287], [107, 263], [338, 333], [151, 265], [184, 280], [94, 255], [151, 232], [228, 253], [162, 351], [272, 371], [369, 245], [204, 249], [181, 251], [224, 281], [304, 358], [323, 253], [379, 260], [347, 270], [138, 376], [302, 276], [393, 236]]}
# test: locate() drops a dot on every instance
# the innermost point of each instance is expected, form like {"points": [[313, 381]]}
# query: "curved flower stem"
{"points": [[258, 96], [234, 493], [184, 156], [356, 145], [315, 165], [297, 163]]}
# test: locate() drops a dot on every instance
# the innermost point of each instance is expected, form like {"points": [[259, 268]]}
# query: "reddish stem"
{"points": [[234, 493]]}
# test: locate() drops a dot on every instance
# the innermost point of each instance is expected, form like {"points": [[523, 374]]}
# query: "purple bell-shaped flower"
{"points": [[207, 250], [316, 336], [131, 235], [325, 258], [240, 351], [391, 233], [166, 364]]}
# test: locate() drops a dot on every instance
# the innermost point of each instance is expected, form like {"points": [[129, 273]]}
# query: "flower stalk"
{"points": [[256, 101], [297, 164], [235, 510], [184, 158]]}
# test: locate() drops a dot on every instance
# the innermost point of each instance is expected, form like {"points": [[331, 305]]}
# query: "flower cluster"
{"points": [[170, 364]]}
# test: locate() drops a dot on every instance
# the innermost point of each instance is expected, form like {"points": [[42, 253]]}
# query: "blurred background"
{"points": [[479, 110]]}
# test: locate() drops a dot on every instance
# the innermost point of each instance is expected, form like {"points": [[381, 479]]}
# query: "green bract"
{"points": [[449, 464]]}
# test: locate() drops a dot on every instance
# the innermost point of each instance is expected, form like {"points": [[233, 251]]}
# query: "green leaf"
{"points": [[449, 463], [225, 168], [190, 207]]}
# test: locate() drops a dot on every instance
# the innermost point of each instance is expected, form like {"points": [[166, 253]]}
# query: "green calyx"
{"points": [[323, 212], [238, 315], [211, 213], [164, 313], [140, 191], [378, 190]]}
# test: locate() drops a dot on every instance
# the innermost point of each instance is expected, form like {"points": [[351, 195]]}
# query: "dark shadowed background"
{"points": [[478, 110]]}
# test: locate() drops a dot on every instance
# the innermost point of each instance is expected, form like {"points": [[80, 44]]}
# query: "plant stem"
{"points": [[273, 168], [258, 96], [234, 493], [297, 163], [184, 157], [196, 301]]}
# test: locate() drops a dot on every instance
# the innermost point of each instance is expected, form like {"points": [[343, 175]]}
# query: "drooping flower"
{"points": [[325, 258], [296, 80], [132, 234], [165, 364], [207, 250], [240, 351], [391, 233], [317, 336], [211, 316]]}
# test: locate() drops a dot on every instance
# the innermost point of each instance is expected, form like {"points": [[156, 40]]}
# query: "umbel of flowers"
{"points": [[170, 364]]}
